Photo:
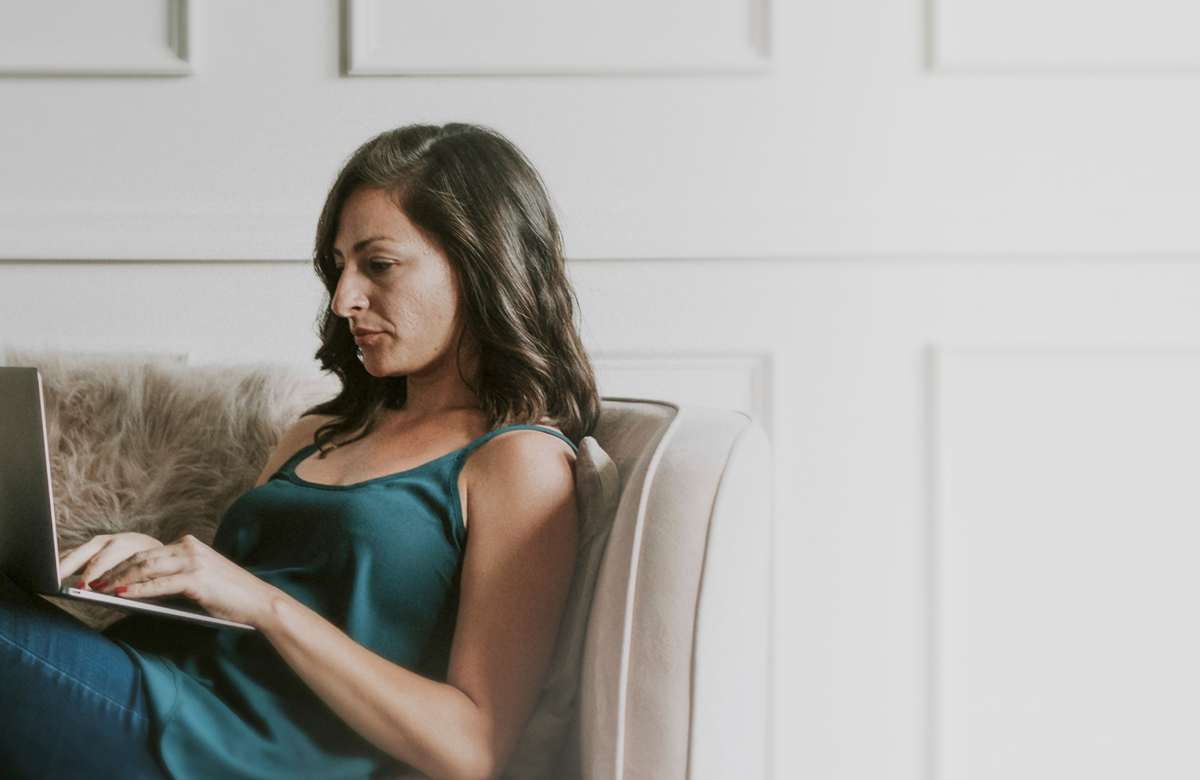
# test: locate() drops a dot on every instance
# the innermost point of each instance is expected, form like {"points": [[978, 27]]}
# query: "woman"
{"points": [[384, 637]]}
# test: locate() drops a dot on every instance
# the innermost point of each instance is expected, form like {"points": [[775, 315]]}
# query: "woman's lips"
{"points": [[363, 337]]}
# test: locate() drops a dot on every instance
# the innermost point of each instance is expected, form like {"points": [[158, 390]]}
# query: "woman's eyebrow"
{"points": [[361, 245]]}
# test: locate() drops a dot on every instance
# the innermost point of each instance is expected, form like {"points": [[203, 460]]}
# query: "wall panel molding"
{"points": [[741, 381], [1062, 542], [530, 37], [1064, 35], [145, 231], [28, 352], [82, 38]]}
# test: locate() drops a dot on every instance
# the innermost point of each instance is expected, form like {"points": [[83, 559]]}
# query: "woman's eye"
{"points": [[379, 266]]}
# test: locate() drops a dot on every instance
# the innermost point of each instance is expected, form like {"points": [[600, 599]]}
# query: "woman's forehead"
{"points": [[372, 215]]}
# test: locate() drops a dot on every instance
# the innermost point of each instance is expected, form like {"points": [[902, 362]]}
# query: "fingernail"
{"points": [[120, 589], [81, 585], [97, 584]]}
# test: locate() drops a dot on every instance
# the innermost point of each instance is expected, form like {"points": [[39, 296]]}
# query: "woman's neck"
{"points": [[429, 396], [450, 386]]}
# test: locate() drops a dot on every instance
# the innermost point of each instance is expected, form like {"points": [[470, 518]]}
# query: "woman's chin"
{"points": [[377, 373], [373, 367], [379, 369]]}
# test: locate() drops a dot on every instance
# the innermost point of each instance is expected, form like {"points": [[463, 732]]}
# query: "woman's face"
{"points": [[397, 290]]}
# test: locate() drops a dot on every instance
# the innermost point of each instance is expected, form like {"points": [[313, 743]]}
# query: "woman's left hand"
{"points": [[191, 568]]}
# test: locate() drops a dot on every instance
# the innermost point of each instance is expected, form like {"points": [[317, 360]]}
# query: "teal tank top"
{"points": [[380, 559]]}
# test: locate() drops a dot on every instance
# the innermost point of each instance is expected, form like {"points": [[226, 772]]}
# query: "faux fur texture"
{"points": [[156, 447]]}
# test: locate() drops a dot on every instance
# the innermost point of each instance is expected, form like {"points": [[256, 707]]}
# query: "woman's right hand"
{"points": [[99, 554]]}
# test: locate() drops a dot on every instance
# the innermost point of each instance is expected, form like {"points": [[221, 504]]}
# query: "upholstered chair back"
{"points": [[674, 683]]}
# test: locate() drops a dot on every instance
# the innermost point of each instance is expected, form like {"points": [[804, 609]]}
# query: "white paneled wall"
{"points": [[947, 250], [731, 381], [1066, 34], [110, 38], [393, 37], [1065, 541]]}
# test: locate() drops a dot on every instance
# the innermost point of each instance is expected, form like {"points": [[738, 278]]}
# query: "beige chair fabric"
{"points": [[675, 666]]}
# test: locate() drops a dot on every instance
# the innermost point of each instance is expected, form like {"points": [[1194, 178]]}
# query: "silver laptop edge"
{"points": [[134, 605], [41, 394]]}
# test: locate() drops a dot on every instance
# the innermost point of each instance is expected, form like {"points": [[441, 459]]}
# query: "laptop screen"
{"points": [[28, 544]]}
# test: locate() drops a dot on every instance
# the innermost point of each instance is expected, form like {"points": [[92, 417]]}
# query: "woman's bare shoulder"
{"points": [[522, 450], [526, 467], [298, 435]]}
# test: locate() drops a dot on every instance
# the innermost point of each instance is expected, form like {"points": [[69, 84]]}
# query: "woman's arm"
{"points": [[523, 536], [518, 492]]}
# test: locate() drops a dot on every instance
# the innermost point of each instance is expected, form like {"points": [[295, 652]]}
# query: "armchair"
{"points": [[661, 668]]}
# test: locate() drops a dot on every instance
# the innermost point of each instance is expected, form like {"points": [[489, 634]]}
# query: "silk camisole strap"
{"points": [[288, 469], [449, 466]]}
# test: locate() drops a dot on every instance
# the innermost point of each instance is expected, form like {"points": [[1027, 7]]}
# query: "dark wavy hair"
{"points": [[480, 199]]}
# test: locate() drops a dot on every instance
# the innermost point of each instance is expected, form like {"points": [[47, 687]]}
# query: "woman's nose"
{"points": [[348, 296]]}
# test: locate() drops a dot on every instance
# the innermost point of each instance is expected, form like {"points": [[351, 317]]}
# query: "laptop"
{"points": [[28, 537]]}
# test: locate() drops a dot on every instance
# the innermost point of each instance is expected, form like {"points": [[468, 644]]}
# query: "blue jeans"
{"points": [[71, 700]]}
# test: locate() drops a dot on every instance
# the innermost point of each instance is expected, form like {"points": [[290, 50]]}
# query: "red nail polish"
{"points": [[81, 585], [120, 589], [97, 584]]}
